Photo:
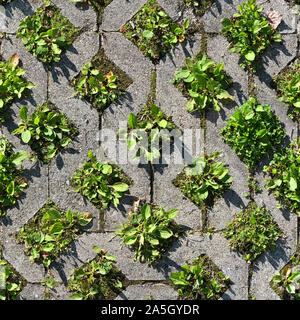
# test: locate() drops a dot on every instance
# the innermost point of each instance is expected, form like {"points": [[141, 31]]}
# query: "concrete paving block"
{"points": [[265, 268], [33, 292], [99, 134], [233, 200], [168, 96], [148, 292], [59, 292], [81, 250], [15, 11], [118, 12], [14, 254], [81, 51], [217, 49], [115, 217], [266, 95], [28, 203], [139, 188], [173, 104], [185, 149], [126, 56], [141, 180], [35, 173], [172, 7], [286, 219], [86, 19], [278, 56], [116, 115], [61, 170], [189, 215], [78, 253], [289, 18], [216, 248], [219, 10]]}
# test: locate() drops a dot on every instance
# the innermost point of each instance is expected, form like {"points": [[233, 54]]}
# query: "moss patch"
{"points": [[96, 88]]}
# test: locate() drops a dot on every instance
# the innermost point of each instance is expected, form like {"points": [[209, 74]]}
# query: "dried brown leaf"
{"points": [[14, 60], [274, 18], [136, 204]]}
